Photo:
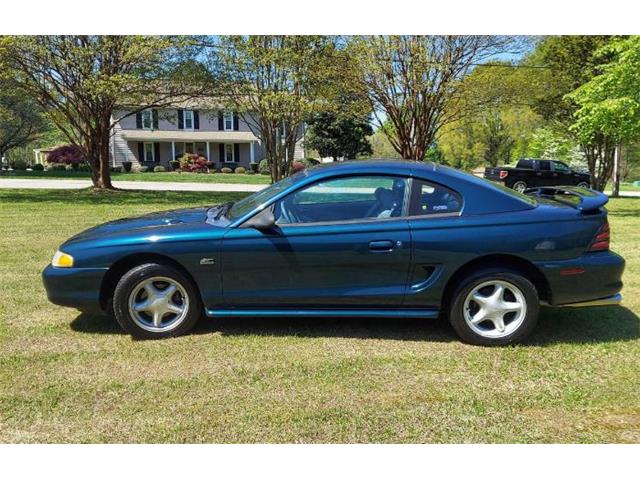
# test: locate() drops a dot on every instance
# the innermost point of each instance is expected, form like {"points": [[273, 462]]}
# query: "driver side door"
{"points": [[340, 243]]}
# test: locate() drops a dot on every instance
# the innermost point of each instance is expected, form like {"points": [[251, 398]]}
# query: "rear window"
{"points": [[525, 164], [520, 196]]}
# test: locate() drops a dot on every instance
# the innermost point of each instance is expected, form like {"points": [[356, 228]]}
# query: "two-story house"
{"points": [[157, 136]]}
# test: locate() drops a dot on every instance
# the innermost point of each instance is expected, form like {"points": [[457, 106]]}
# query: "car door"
{"points": [[339, 243], [563, 175], [545, 174]]}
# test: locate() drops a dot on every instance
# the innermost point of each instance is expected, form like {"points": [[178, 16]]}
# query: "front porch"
{"points": [[160, 148]]}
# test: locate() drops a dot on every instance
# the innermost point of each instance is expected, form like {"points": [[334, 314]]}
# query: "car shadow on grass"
{"points": [[555, 326]]}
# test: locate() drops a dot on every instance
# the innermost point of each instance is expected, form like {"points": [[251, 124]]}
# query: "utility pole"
{"points": [[615, 188]]}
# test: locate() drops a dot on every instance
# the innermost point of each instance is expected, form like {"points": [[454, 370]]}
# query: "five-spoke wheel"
{"points": [[156, 301], [494, 306]]}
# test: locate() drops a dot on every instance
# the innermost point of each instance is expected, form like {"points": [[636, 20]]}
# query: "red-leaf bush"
{"points": [[192, 162], [66, 154], [298, 166]]}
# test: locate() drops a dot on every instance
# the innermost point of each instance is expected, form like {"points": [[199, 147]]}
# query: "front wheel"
{"points": [[494, 307], [520, 186], [583, 185], [156, 301]]}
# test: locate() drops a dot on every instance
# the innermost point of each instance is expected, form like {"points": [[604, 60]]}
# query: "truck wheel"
{"points": [[156, 301], [494, 306], [520, 186], [583, 185]]}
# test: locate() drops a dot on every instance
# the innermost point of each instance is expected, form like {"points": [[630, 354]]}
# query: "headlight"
{"points": [[62, 260]]}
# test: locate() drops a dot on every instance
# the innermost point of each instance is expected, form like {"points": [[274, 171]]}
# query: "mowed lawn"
{"points": [[255, 179], [66, 377]]}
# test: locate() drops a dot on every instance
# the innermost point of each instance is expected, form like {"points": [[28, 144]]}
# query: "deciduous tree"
{"points": [[21, 120], [80, 79], [414, 82]]}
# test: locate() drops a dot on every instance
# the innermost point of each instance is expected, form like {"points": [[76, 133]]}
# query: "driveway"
{"points": [[63, 184]]}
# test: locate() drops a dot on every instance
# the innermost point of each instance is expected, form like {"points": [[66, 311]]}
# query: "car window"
{"points": [[560, 167], [256, 199], [431, 199], [544, 165], [525, 164], [344, 199]]}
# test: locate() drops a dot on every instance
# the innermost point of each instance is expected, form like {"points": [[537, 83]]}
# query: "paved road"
{"points": [[125, 185], [63, 184]]}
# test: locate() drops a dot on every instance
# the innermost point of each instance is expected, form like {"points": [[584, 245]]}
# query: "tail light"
{"points": [[503, 174], [601, 240]]}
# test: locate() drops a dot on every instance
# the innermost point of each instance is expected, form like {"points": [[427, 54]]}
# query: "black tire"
{"points": [[519, 185], [526, 324], [583, 184], [133, 279]]}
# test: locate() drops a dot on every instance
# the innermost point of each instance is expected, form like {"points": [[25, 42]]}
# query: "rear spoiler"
{"points": [[587, 199]]}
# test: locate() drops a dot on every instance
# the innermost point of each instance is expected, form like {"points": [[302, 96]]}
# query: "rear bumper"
{"points": [[74, 287], [592, 277], [601, 302]]}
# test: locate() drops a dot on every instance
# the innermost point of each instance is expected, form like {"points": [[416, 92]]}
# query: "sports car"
{"points": [[364, 238]]}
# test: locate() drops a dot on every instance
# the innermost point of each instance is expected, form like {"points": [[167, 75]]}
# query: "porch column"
{"points": [[173, 151], [253, 152], [208, 153]]}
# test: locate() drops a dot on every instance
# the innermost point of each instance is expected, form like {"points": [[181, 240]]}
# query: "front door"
{"points": [[341, 243]]}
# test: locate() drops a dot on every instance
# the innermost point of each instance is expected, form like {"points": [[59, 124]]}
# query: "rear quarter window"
{"points": [[525, 164], [432, 199]]}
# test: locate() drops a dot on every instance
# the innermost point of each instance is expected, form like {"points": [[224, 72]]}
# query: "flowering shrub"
{"points": [[240, 170], [192, 162], [66, 154], [226, 170]]}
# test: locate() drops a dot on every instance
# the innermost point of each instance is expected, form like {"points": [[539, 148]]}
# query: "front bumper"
{"points": [[74, 287]]}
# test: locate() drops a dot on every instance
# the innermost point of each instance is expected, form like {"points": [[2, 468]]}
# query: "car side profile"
{"points": [[368, 238]]}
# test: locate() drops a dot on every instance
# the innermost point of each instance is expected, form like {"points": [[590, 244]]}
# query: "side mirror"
{"points": [[263, 221]]}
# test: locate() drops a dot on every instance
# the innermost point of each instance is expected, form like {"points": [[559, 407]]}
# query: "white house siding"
{"points": [[123, 150]]}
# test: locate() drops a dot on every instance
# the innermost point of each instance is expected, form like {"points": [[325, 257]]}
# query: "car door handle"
{"points": [[382, 245]]}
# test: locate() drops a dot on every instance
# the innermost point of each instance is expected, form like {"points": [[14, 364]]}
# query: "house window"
{"points": [[228, 153], [188, 148], [147, 120], [149, 154], [188, 119], [228, 120]]}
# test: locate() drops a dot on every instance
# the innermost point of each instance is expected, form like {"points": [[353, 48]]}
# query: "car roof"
{"points": [[480, 196]]}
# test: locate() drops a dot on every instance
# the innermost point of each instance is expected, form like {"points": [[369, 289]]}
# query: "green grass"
{"points": [[66, 377], [149, 176]]}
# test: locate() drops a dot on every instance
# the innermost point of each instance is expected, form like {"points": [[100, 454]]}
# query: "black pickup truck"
{"points": [[530, 173]]}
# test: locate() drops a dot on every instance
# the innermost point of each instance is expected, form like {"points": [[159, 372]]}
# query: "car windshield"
{"points": [[254, 200]]}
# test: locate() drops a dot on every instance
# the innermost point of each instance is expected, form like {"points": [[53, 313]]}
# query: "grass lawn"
{"points": [[150, 176], [66, 377]]}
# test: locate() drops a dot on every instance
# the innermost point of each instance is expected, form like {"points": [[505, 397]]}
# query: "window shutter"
{"points": [[180, 119], [140, 152], [221, 150], [236, 123], [220, 120], [139, 120], [196, 120], [156, 152], [236, 152], [154, 115]]}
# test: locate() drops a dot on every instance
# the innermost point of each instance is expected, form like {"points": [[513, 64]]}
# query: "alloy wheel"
{"points": [[495, 309], [158, 304]]}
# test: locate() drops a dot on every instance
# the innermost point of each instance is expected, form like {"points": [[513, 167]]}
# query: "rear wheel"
{"points": [[520, 186], [494, 307], [583, 184], [156, 301]]}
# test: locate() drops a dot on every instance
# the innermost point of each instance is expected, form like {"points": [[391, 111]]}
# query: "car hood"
{"points": [[166, 219]]}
